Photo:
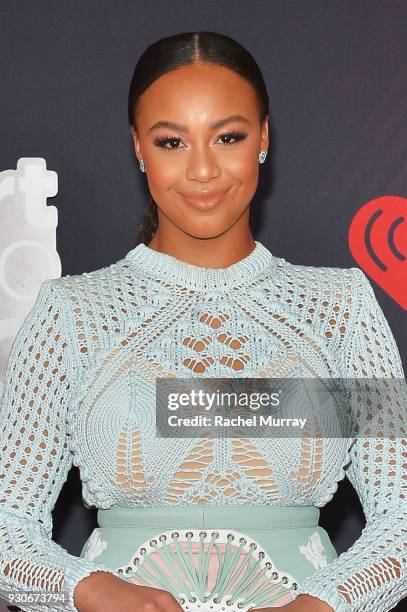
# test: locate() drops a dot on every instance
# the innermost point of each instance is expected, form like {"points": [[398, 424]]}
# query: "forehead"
{"points": [[197, 91]]}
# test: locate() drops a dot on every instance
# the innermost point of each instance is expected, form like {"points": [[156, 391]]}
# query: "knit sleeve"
{"points": [[371, 575], [34, 461]]}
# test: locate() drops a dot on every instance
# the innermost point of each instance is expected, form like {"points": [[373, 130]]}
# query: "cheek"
{"points": [[246, 176], [241, 168], [243, 173], [162, 174]]}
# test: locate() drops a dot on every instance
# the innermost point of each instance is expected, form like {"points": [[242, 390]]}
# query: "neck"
{"points": [[218, 252]]}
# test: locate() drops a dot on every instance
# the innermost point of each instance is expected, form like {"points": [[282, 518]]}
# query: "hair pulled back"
{"points": [[181, 49]]}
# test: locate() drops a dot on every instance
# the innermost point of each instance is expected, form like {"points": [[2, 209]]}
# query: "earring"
{"points": [[141, 165], [262, 155]]}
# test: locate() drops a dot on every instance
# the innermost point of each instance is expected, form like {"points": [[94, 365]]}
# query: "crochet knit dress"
{"points": [[79, 390]]}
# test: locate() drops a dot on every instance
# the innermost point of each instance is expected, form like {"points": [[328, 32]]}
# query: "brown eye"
{"points": [[237, 136], [162, 142]]}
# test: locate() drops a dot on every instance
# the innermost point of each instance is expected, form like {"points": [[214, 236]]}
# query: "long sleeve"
{"points": [[35, 460], [371, 574]]}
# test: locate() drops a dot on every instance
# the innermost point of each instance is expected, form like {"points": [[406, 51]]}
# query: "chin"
{"points": [[205, 233]]}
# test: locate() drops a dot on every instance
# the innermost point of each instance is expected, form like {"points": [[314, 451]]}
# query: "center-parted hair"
{"points": [[179, 50]]}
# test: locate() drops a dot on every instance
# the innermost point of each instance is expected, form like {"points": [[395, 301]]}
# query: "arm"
{"points": [[35, 459], [371, 575]]}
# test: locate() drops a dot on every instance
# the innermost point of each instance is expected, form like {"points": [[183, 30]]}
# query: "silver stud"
{"points": [[153, 542], [162, 538], [243, 540], [175, 534], [284, 579], [262, 155], [203, 533], [275, 575]]}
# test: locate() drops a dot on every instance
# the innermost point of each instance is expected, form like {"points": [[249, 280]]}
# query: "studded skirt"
{"points": [[231, 558]]}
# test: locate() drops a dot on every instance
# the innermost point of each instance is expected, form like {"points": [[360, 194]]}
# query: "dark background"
{"points": [[336, 72]]}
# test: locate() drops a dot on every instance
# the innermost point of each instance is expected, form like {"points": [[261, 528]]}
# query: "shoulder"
{"points": [[94, 302], [101, 282], [322, 284], [92, 305], [304, 272], [325, 298]]}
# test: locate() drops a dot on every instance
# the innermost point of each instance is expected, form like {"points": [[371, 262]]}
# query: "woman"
{"points": [[198, 523]]}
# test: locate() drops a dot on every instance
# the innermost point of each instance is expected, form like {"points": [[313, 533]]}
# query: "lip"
{"points": [[203, 200]]}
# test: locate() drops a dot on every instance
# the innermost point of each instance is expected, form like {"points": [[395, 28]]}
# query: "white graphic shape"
{"points": [[314, 551], [28, 254]]}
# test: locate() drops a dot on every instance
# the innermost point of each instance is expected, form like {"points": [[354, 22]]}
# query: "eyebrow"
{"points": [[183, 128]]}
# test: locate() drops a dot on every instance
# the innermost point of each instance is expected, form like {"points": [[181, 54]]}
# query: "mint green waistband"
{"points": [[211, 517]]}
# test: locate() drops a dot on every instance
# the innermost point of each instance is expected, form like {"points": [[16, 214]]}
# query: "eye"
{"points": [[237, 136], [172, 139], [162, 142]]}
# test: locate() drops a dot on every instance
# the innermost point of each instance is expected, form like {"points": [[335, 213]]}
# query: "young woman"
{"points": [[200, 522]]}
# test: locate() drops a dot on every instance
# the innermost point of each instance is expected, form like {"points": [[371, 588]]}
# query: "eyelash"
{"points": [[161, 142]]}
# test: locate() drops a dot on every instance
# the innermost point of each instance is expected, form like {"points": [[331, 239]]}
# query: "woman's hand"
{"points": [[104, 592], [303, 603]]}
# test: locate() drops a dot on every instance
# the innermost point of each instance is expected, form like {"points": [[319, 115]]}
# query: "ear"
{"points": [[136, 142], [265, 134]]}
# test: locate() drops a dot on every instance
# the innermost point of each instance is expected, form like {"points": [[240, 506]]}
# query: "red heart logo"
{"points": [[378, 242]]}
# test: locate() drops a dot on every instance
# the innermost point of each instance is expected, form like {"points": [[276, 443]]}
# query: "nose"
{"points": [[202, 165]]}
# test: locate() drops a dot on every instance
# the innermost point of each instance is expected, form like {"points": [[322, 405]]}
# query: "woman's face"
{"points": [[196, 156]]}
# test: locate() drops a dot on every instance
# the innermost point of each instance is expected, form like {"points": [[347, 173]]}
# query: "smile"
{"points": [[203, 200]]}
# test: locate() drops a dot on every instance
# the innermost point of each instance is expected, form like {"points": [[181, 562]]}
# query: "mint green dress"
{"points": [[223, 524], [258, 555]]}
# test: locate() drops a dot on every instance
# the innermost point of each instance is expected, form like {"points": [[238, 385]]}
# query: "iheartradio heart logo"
{"points": [[378, 242]]}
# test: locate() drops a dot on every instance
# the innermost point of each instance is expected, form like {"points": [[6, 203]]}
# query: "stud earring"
{"points": [[262, 155], [141, 165]]}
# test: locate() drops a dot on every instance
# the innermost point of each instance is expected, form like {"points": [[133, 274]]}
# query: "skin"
{"points": [[195, 96]]}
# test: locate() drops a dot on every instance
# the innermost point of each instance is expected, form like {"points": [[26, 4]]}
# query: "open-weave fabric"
{"points": [[79, 389]]}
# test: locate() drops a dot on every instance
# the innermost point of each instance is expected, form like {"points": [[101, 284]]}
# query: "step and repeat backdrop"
{"points": [[333, 191]]}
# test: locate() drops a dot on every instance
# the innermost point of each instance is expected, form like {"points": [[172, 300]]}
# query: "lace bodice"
{"points": [[79, 389]]}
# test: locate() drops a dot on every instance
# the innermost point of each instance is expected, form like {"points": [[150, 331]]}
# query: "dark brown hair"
{"points": [[179, 50]]}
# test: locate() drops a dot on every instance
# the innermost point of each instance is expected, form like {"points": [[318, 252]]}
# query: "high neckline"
{"points": [[176, 271]]}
